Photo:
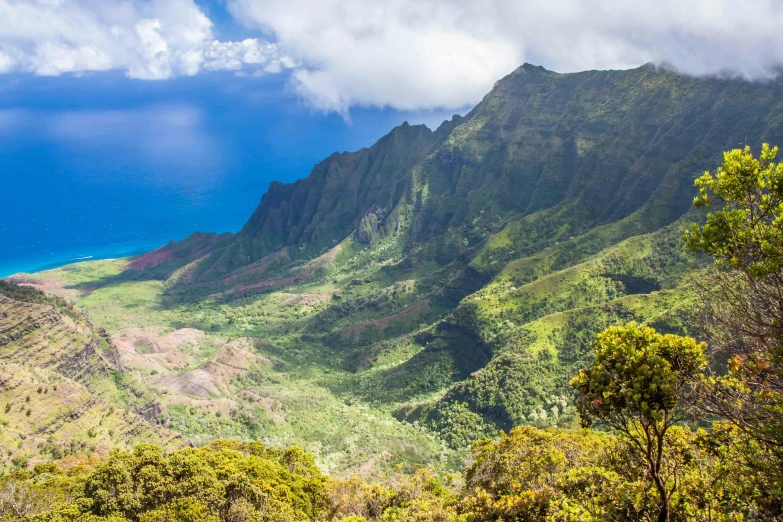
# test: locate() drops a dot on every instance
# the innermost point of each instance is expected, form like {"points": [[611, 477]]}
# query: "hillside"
{"points": [[63, 387], [413, 296]]}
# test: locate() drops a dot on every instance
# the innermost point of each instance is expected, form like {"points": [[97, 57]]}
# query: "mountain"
{"points": [[578, 150], [439, 283]]}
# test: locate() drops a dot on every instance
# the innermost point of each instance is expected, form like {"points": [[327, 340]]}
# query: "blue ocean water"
{"points": [[103, 166]]}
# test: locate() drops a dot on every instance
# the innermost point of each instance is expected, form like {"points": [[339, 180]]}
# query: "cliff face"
{"points": [[589, 148], [579, 149], [50, 416], [317, 212], [40, 335]]}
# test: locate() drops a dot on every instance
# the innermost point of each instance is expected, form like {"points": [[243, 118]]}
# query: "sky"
{"points": [[404, 54], [127, 123]]}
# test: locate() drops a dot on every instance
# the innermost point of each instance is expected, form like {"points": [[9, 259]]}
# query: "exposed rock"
{"points": [[370, 225]]}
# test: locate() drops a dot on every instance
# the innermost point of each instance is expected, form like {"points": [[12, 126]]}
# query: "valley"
{"points": [[401, 302]]}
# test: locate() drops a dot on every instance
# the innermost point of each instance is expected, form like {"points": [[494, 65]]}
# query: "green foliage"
{"points": [[638, 375], [556, 475], [222, 482], [747, 230], [462, 269], [28, 294], [453, 279], [515, 478], [421, 497], [741, 307]]}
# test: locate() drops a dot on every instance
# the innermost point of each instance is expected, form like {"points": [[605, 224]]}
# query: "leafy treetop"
{"points": [[638, 373], [747, 231]]}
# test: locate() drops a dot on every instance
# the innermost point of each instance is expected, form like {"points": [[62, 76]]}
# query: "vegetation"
{"points": [[531, 474], [635, 385], [514, 272], [641, 384], [742, 308]]}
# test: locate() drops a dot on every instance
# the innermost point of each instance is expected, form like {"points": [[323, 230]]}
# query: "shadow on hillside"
{"points": [[126, 276]]}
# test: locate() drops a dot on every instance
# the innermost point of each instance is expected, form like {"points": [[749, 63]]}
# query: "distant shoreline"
{"points": [[41, 264]]}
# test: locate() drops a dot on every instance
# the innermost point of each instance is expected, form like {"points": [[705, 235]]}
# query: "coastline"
{"points": [[43, 262]]}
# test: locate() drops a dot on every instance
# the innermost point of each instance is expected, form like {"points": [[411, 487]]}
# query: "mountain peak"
{"points": [[529, 67]]}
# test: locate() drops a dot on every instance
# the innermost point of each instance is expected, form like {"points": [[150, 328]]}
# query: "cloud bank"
{"points": [[422, 53], [406, 54], [149, 40]]}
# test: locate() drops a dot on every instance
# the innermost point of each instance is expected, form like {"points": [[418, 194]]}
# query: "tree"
{"points": [[636, 385], [20, 499], [227, 481], [742, 303], [523, 476]]}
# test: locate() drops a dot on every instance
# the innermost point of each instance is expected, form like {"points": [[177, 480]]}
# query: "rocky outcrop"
{"points": [[24, 319], [317, 212], [59, 416], [370, 225]]}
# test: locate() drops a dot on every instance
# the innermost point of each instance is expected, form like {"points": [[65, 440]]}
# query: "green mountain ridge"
{"points": [[440, 285], [567, 152]]}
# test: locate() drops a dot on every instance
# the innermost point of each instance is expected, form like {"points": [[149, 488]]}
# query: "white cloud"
{"points": [[238, 55], [52, 59], [148, 39], [413, 54], [407, 54], [6, 62]]}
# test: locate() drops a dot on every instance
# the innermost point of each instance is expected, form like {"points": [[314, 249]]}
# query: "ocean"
{"points": [[107, 167]]}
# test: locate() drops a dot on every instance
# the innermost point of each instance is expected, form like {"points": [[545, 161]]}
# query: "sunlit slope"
{"points": [[63, 388]]}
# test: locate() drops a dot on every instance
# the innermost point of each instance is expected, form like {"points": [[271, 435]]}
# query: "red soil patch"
{"points": [[162, 353], [52, 287], [198, 382], [237, 354], [187, 250], [152, 259], [38, 284], [213, 378]]}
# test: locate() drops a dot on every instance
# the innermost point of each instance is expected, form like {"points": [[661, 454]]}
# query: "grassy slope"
{"points": [[537, 333], [337, 353], [285, 397], [64, 418]]}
